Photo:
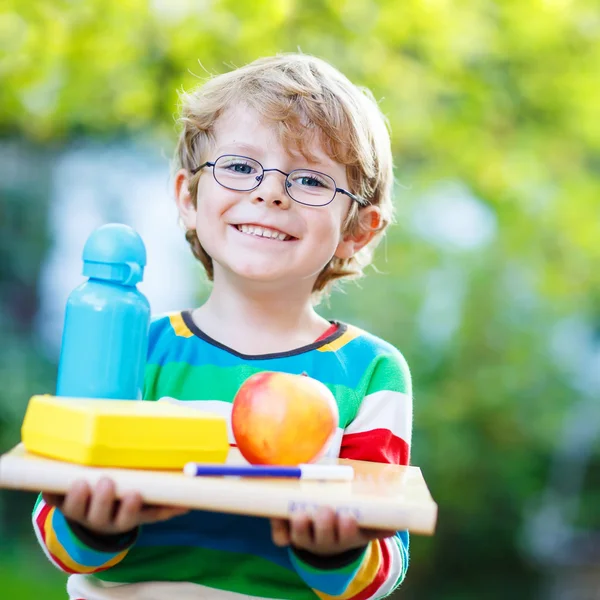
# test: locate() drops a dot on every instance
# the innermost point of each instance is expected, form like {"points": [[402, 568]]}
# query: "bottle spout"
{"points": [[134, 275]]}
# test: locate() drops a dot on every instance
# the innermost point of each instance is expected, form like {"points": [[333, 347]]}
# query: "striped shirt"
{"points": [[225, 556]]}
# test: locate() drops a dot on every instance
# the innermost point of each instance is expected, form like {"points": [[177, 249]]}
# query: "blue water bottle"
{"points": [[105, 335]]}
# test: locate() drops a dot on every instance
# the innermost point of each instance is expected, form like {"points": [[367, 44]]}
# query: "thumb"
{"points": [[152, 514], [280, 532]]}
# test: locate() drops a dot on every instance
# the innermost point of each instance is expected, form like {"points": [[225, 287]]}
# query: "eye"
{"points": [[240, 167], [237, 165], [311, 179]]}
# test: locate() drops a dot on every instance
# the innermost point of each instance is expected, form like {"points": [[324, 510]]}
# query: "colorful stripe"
{"points": [[81, 587], [327, 366], [350, 334], [240, 572], [382, 429], [210, 383], [41, 513], [388, 372], [397, 568], [378, 445], [215, 531], [379, 571], [78, 553], [64, 549], [385, 410], [371, 570], [70, 563], [180, 329], [330, 581], [353, 347], [329, 331]]}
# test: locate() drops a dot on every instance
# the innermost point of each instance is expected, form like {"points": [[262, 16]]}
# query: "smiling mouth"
{"points": [[265, 232]]}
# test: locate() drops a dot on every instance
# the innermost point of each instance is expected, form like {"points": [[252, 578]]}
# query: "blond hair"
{"points": [[302, 96]]}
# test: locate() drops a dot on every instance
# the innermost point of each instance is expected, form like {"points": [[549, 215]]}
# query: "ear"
{"points": [[186, 205], [369, 223]]}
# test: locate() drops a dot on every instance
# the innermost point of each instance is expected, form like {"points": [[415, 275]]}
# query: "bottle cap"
{"points": [[115, 252]]}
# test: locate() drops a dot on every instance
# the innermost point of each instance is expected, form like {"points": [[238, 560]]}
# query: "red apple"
{"points": [[283, 419]]}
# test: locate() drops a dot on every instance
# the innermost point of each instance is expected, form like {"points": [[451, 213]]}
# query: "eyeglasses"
{"points": [[244, 174]]}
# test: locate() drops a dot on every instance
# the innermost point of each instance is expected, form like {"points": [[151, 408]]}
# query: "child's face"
{"points": [[313, 232]]}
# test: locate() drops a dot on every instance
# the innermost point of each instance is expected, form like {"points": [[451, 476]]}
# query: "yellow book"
{"points": [[123, 433]]}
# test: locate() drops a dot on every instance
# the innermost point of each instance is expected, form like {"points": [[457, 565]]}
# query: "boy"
{"points": [[284, 184]]}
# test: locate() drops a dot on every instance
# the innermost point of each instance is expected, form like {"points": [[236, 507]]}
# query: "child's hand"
{"points": [[100, 511], [325, 534]]}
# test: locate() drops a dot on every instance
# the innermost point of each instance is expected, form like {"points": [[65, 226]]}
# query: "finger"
{"points": [[76, 501], [128, 512], [102, 504], [301, 531], [325, 530], [152, 514], [53, 499], [349, 533], [376, 534], [280, 532], [174, 511]]}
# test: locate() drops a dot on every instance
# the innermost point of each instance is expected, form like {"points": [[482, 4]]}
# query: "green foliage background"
{"points": [[498, 98]]}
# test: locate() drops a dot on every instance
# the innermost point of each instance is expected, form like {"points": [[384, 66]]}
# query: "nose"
{"points": [[272, 191]]}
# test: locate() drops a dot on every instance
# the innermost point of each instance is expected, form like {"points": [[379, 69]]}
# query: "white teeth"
{"points": [[263, 232]]}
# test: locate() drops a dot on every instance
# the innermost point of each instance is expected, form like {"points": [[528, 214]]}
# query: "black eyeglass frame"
{"points": [[288, 184]]}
